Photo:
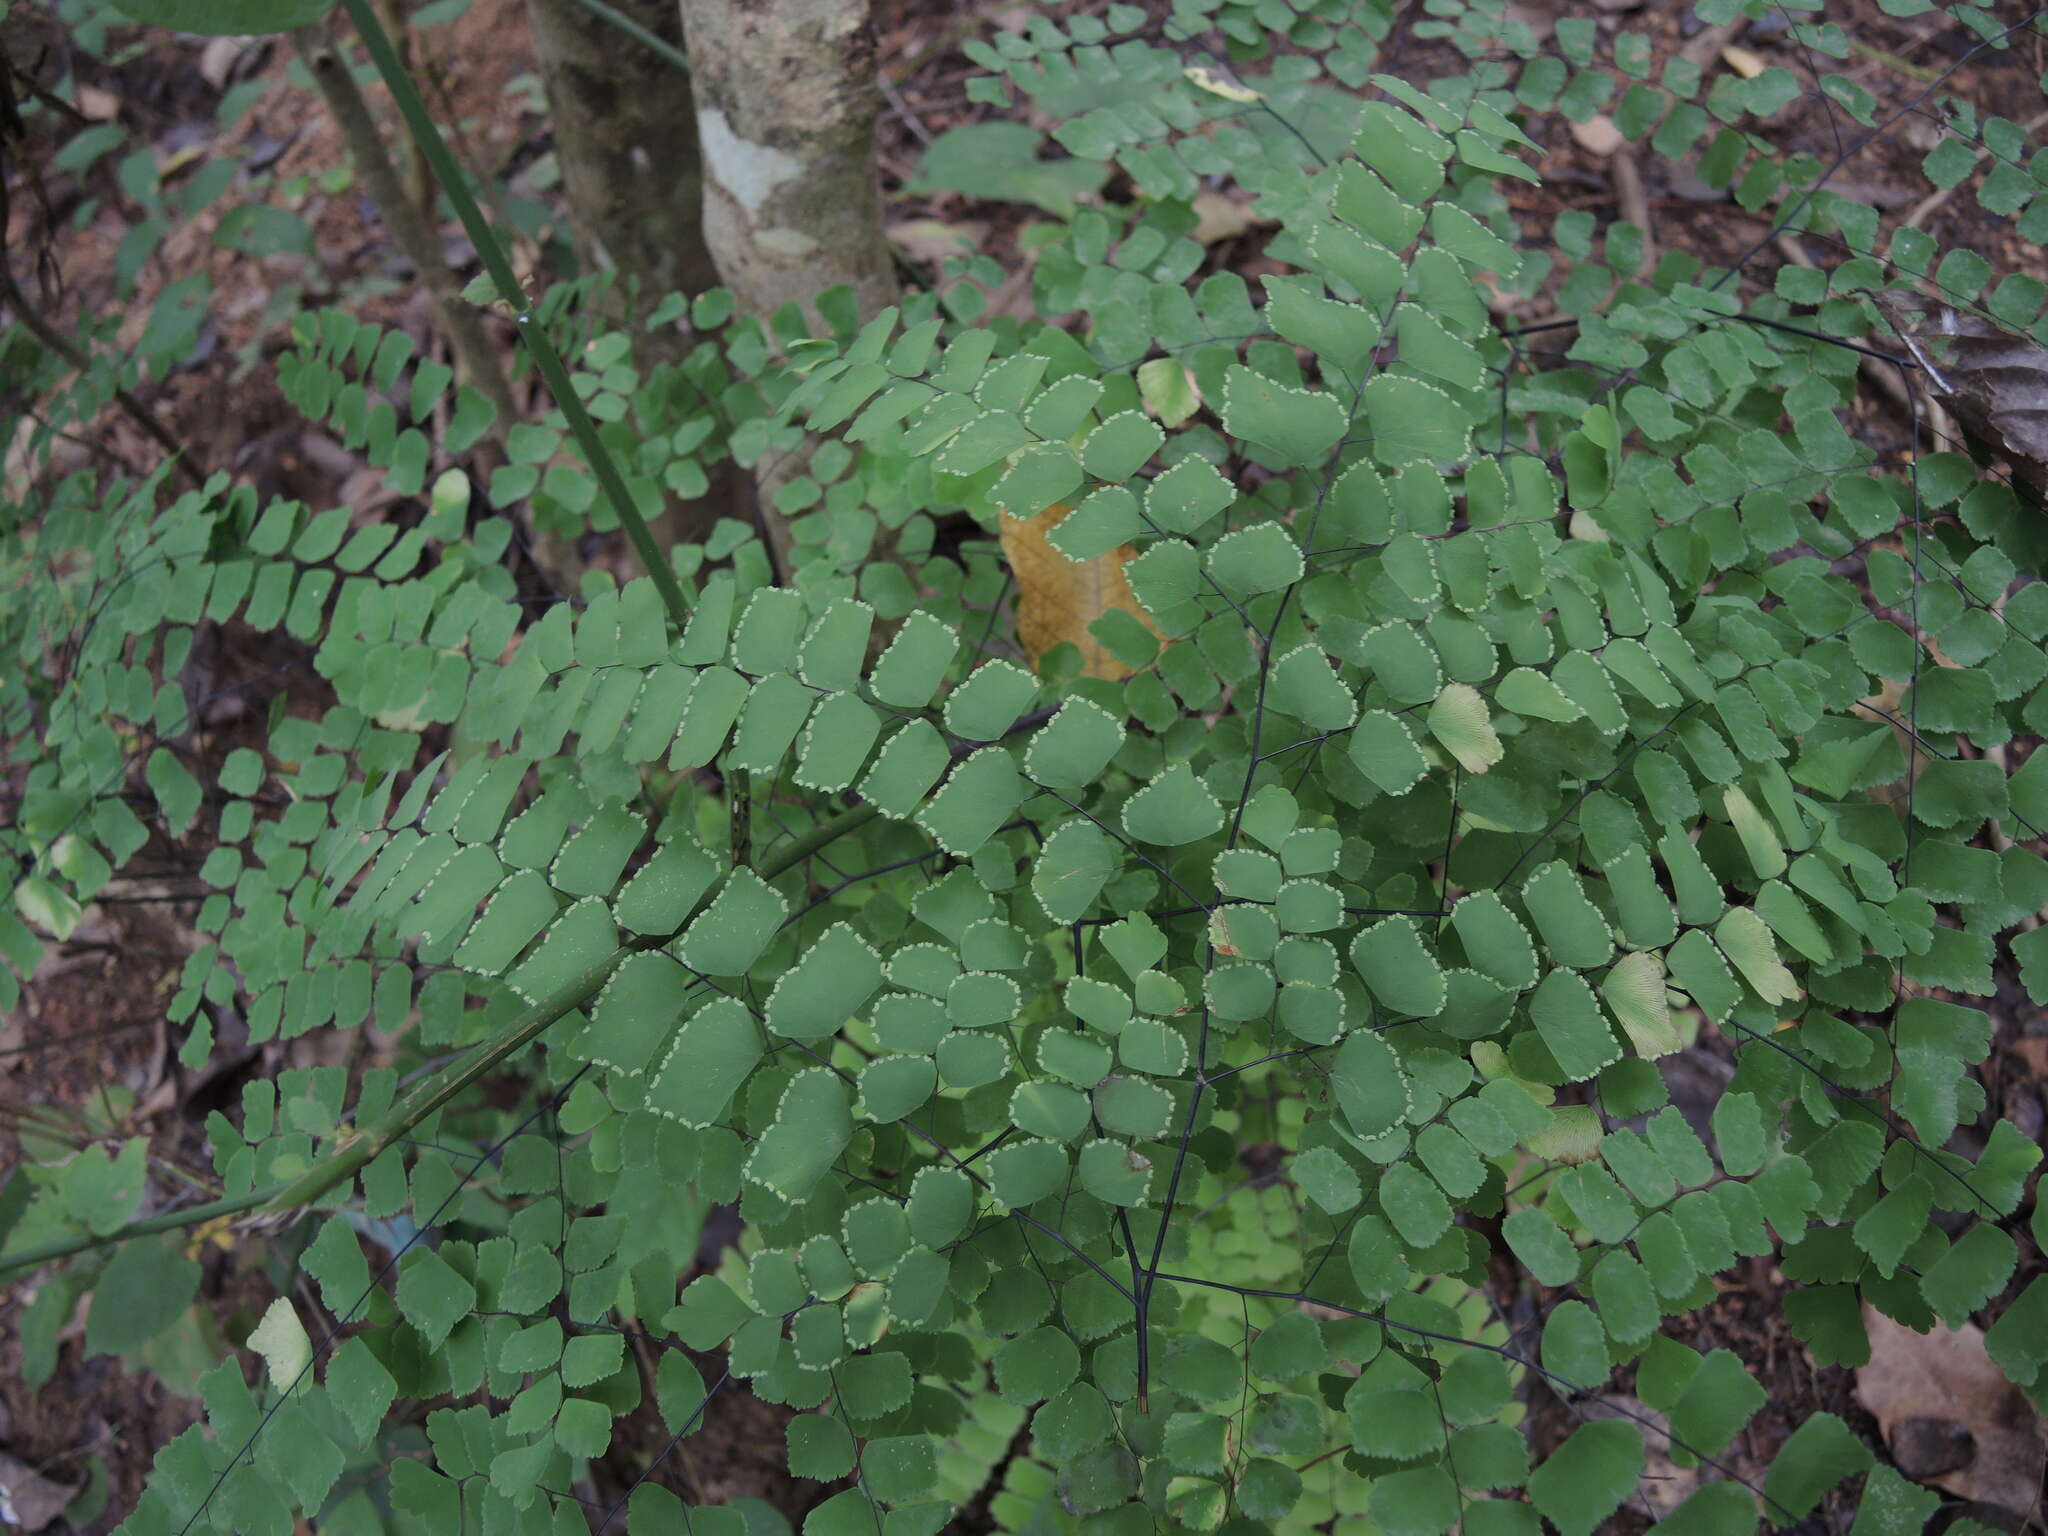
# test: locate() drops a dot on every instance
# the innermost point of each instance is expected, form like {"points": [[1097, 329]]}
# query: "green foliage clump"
{"points": [[1156, 1061]]}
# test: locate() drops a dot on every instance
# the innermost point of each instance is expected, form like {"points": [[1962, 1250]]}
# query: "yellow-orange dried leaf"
{"points": [[1743, 62], [1059, 598]]}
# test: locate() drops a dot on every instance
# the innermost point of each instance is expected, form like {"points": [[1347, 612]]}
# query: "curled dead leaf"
{"points": [[1219, 933], [1996, 383], [30, 1502], [1946, 1409], [1218, 84], [1058, 598]]}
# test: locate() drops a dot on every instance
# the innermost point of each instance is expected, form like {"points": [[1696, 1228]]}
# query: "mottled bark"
{"points": [[625, 131], [786, 100]]}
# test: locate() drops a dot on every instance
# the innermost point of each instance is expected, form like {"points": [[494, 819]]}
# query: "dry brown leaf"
{"points": [[1598, 134], [218, 59], [1995, 383], [1059, 598], [101, 106], [29, 1501], [1222, 215], [935, 240], [1742, 61], [1917, 1384]]}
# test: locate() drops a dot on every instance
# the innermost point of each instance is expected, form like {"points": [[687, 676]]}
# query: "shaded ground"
{"points": [[89, 1044]]}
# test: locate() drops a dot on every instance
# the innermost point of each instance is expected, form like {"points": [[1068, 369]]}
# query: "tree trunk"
{"points": [[786, 105], [625, 131], [626, 137], [786, 101]]}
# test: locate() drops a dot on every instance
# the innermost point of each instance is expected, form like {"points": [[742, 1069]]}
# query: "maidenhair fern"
{"points": [[1499, 723]]}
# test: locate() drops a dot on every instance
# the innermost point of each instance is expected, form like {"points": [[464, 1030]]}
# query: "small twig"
{"points": [[969, 21], [419, 182], [1917, 73], [906, 114], [511, 292], [1933, 202], [1635, 204], [1878, 372], [650, 1373], [406, 222], [33, 322], [1704, 49], [348, 1153]]}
